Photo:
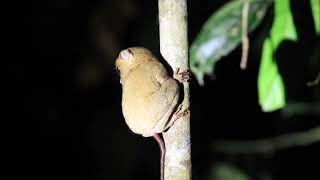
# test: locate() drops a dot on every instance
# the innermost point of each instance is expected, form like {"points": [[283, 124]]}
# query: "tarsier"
{"points": [[150, 97]]}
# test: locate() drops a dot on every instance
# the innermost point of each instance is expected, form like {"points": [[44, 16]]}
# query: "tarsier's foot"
{"points": [[176, 115], [183, 76], [180, 112]]}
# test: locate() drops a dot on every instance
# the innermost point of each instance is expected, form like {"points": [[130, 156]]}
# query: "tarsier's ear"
{"points": [[126, 54]]}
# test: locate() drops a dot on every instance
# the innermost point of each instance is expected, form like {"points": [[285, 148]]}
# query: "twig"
{"points": [[301, 108], [245, 38], [315, 81], [268, 145]]}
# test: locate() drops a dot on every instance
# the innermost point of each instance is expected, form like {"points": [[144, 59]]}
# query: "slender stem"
{"points": [[245, 38]]}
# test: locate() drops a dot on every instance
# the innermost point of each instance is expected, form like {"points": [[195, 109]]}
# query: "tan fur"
{"points": [[149, 95]]}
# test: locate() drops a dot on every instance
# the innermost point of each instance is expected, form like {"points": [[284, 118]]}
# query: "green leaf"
{"points": [[270, 84], [221, 34], [315, 6]]}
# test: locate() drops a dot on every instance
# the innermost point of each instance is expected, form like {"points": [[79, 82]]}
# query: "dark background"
{"points": [[72, 96]]}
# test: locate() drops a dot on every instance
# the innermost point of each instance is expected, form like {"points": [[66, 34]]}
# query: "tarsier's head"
{"points": [[131, 57]]}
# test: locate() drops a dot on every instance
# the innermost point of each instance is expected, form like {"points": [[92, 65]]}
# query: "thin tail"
{"points": [[162, 153]]}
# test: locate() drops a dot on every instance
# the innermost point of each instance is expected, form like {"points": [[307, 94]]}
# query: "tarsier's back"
{"points": [[137, 94], [149, 95]]}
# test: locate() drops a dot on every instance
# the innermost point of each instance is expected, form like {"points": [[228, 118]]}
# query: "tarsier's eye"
{"points": [[118, 71]]}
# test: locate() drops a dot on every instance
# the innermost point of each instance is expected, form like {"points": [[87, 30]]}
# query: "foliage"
{"points": [[315, 6], [270, 83], [221, 34], [227, 171]]}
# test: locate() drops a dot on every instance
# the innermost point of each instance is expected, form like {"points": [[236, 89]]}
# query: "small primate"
{"points": [[149, 95]]}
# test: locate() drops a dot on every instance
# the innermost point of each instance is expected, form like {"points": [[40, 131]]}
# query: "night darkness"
{"points": [[72, 96]]}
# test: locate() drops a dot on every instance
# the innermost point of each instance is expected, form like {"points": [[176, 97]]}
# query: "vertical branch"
{"points": [[174, 49], [245, 39]]}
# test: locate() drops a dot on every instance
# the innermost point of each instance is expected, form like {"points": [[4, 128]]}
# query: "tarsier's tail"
{"points": [[163, 151]]}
